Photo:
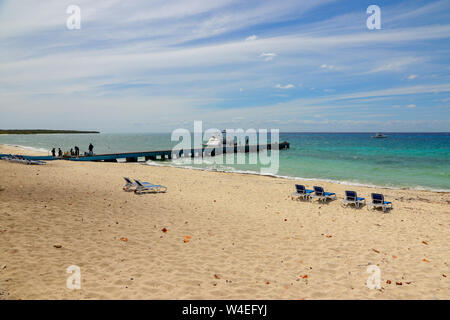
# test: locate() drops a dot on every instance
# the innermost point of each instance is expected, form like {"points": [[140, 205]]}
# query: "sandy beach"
{"points": [[247, 239]]}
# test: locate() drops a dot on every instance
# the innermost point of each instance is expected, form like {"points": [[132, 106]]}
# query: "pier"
{"points": [[165, 154]]}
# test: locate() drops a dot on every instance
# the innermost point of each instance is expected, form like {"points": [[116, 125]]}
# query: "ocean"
{"points": [[403, 160]]}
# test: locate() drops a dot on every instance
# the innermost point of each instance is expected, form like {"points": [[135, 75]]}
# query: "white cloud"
{"points": [[287, 86], [412, 77], [445, 87], [327, 67], [268, 56], [397, 64], [121, 47], [410, 106]]}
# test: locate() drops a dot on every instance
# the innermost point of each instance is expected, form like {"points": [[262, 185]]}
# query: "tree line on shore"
{"points": [[42, 131]]}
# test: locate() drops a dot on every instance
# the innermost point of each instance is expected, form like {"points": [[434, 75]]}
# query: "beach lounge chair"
{"points": [[129, 185], [142, 187], [7, 157], [301, 192], [320, 194], [378, 202], [23, 160], [36, 162], [352, 198]]}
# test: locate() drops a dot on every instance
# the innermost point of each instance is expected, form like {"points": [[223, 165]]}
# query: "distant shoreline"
{"points": [[43, 131]]}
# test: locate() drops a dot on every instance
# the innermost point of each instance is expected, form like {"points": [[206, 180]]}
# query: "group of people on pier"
{"points": [[74, 152]]}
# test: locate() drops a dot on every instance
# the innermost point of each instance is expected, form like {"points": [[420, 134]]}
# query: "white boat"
{"points": [[379, 135], [213, 142]]}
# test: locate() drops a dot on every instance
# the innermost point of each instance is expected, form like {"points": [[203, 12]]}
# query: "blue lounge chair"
{"points": [[129, 186], [301, 192], [378, 202], [352, 198], [145, 187], [320, 194], [23, 160]]}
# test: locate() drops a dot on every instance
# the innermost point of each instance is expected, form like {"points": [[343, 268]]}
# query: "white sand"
{"points": [[249, 240]]}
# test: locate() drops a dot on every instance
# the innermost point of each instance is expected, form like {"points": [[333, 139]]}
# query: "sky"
{"points": [[155, 66]]}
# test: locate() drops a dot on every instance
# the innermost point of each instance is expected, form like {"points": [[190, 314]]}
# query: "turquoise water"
{"points": [[405, 160]]}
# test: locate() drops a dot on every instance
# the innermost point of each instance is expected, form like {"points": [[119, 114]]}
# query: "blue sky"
{"points": [[154, 66]]}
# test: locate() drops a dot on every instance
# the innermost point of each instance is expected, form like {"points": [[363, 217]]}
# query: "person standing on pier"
{"points": [[77, 151], [91, 149], [53, 152], [59, 152]]}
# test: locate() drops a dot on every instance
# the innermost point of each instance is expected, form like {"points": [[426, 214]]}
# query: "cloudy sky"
{"points": [[154, 66]]}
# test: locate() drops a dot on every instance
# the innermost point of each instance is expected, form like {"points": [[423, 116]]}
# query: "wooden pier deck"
{"points": [[164, 154]]}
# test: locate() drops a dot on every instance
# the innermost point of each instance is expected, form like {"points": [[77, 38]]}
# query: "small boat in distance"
{"points": [[379, 135]]}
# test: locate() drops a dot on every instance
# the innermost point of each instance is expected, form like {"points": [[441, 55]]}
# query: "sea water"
{"points": [[403, 160]]}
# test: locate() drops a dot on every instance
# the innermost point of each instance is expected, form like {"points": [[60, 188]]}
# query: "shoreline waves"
{"points": [[19, 149], [346, 183]]}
